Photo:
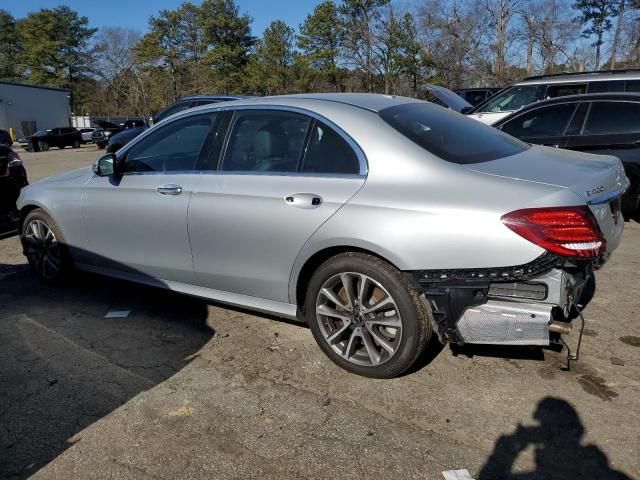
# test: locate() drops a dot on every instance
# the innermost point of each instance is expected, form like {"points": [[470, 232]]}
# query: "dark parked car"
{"points": [[603, 123], [101, 135], [5, 138], [117, 141], [61, 137], [13, 177], [476, 96]]}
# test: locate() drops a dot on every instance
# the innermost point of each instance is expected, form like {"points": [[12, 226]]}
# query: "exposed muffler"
{"points": [[506, 323]]}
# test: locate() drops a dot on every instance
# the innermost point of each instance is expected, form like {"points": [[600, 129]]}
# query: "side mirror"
{"points": [[466, 110], [104, 166]]}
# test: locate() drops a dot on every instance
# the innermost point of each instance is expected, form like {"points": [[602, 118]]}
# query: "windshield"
{"points": [[449, 135], [42, 133], [512, 99]]}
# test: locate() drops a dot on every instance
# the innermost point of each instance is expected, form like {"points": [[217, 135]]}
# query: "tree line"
{"points": [[345, 45]]}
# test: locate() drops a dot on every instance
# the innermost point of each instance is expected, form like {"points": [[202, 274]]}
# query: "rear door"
{"points": [[282, 174], [543, 125], [611, 128]]}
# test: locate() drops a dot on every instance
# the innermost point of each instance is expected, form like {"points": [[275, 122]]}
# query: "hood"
{"points": [[67, 176], [104, 124], [591, 177], [451, 99]]}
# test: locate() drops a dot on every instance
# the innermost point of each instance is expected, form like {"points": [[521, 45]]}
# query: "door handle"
{"points": [[303, 200], [171, 189]]}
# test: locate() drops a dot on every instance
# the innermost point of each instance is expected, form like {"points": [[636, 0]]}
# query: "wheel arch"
{"points": [[301, 277]]}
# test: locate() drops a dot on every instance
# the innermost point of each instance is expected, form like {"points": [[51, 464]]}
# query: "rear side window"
{"points": [[598, 87], [564, 90], [541, 122], [328, 152], [265, 141], [633, 86], [450, 135], [613, 118]]}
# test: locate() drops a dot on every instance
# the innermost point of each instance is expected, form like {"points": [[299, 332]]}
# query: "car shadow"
{"points": [[63, 365], [558, 450]]}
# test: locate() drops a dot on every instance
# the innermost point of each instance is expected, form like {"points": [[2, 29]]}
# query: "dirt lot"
{"points": [[185, 389]]}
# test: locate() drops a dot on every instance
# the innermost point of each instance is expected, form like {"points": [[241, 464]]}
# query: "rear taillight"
{"points": [[567, 231]]}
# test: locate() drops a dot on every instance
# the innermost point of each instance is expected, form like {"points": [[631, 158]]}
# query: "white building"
{"points": [[27, 108]]}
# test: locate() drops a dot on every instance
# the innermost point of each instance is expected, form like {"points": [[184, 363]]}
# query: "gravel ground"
{"points": [[186, 389]]}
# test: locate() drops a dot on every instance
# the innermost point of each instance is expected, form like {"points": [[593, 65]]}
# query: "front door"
{"points": [[137, 222], [542, 126], [282, 176]]}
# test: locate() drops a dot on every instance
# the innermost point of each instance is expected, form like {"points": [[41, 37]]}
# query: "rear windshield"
{"points": [[450, 135]]}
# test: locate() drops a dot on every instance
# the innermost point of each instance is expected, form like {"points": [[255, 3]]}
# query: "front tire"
{"points": [[366, 316], [44, 146], [76, 144], [45, 248]]}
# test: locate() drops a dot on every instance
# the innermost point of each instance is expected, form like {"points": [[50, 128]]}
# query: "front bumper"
{"points": [[504, 306]]}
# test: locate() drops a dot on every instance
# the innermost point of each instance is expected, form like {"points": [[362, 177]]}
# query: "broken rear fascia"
{"points": [[549, 280]]}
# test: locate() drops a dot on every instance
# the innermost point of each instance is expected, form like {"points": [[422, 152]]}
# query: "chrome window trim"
{"points": [[204, 109]]}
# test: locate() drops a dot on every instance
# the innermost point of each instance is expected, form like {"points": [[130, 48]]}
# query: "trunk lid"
{"points": [[598, 180], [449, 98]]}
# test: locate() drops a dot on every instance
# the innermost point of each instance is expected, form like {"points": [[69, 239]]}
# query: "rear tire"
{"points": [[385, 327], [45, 247], [76, 144]]}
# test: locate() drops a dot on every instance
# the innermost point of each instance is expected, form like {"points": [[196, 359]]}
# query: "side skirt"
{"points": [[281, 309]]}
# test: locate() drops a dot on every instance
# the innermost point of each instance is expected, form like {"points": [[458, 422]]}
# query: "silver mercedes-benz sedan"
{"points": [[378, 220]]}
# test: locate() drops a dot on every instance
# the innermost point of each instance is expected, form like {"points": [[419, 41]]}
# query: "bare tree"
{"points": [[113, 60], [501, 13]]}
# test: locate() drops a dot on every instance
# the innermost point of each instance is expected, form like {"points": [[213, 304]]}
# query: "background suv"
{"points": [[117, 141], [534, 89]]}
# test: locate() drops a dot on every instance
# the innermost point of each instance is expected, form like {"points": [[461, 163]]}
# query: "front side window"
{"points": [[450, 135], [541, 122], [327, 152], [265, 141], [513, 99], [613, 118], [176, 146]]}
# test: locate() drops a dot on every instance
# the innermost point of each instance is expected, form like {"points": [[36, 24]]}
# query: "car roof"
{"points": [[585, 97], [211, 97], [368, 101], [578, 77]]}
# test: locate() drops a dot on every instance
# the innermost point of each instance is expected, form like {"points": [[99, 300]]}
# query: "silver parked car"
{"points": [[377, 219]]}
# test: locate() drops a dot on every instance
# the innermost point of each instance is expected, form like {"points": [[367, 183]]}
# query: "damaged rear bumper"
{"points": [[519, 305]]}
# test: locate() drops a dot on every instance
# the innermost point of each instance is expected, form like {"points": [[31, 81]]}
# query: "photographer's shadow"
{"points": [[558, 451]]}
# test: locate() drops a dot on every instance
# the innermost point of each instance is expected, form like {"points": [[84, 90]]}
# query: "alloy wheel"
{"points": [[42, 249], [359, 319]]}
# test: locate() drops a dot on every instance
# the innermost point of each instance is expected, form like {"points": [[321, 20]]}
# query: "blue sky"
{"points": [[136, 13]]}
